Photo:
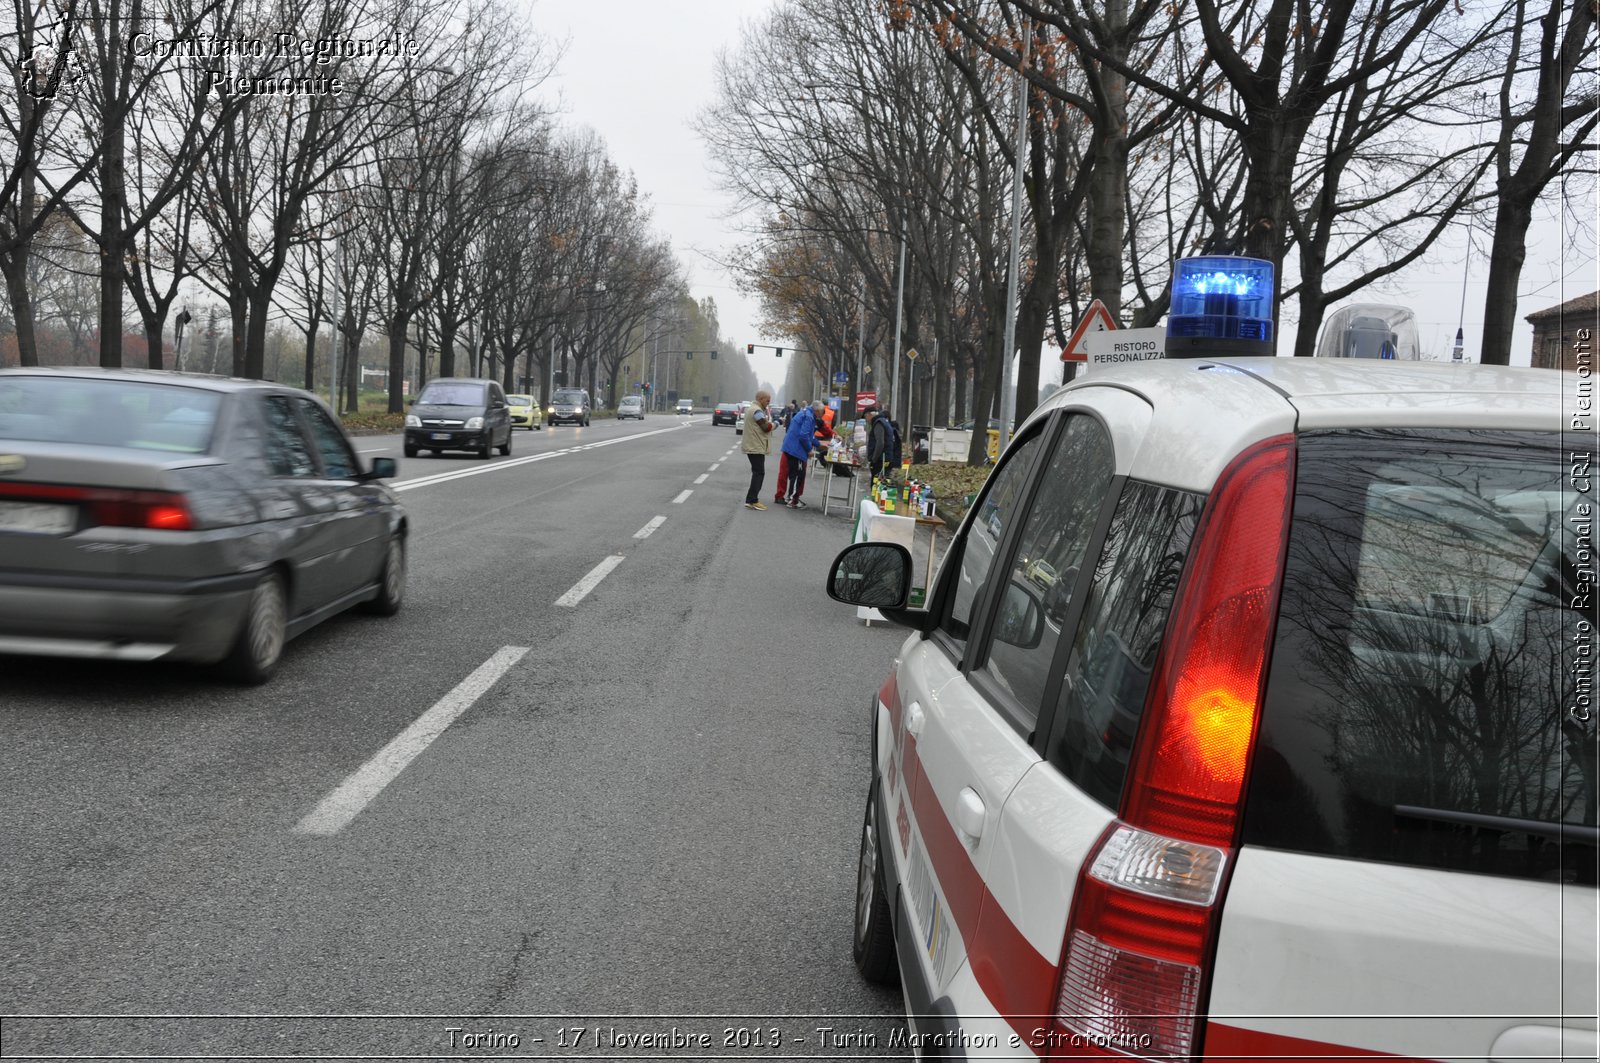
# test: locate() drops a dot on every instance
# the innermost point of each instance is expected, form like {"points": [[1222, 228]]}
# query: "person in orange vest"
{"points": [[825, 428]]}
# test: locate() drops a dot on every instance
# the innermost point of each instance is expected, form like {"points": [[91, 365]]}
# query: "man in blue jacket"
{"points": [[798, 443]]}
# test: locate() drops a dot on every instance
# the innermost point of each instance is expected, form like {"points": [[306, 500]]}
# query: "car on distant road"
{"points": [[459, 413], [524, 410], [685, 406], [725, 413], [738, 416], [568, 406], [1242, 723], [165, 516], [631, 406]]}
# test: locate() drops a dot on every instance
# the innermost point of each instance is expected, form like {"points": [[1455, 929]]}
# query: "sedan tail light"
{"points": [[111, 507]]}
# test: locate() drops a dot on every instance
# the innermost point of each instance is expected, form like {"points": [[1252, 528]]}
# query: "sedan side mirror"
{"points": [[383, 469]]}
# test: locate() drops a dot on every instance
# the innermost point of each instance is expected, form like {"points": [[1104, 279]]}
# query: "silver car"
{"points": [[631, 406], [149, 515]]}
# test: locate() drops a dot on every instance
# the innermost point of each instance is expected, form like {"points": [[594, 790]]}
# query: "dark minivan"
{"points": [[459, 413]]}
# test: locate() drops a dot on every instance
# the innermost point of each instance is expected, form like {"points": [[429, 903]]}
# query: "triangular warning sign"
{"points": [[1096, 319]]}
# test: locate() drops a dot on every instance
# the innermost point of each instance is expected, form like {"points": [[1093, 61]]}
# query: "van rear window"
{"points": [[1429, 695]]}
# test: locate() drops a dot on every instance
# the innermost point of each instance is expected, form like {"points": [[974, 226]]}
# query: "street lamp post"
{"points": [[899, 309], [1008, 399], [178, 324]]}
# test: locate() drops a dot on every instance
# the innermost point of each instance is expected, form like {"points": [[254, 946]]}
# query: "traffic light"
{"points": [[780, 352], [749, 348], [688, 356], [713, 356], [645, 387]]}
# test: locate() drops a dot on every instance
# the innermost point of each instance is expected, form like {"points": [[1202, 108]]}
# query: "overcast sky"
{"points": [[638, 72]]}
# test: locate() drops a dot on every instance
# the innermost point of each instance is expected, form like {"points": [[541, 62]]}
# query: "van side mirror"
{"points": [[383, 469], [876, 575]]}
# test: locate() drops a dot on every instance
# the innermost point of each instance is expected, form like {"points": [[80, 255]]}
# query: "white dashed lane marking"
{"points": [[682, 496], [580, 590], [702, 478], [368, 781], [644, 532]]}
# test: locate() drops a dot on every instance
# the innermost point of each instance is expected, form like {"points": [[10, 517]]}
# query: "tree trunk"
{"points": [[963, 401], [447, 349], [113, 197], [239, 315], [1506, 256], [311, 357], [255, 365], [1108, 194], [153, 342], [15, 267], [352, 370], [310, 378], [1266, 203], [399, 322], [985, 386]]}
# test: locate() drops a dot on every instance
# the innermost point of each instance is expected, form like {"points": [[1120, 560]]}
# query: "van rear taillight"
{"points": [[1187, 775], [1135, 962]]}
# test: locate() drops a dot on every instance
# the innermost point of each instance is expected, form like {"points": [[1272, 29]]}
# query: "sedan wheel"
{"points": [[487, 449], [391, 580], [505, 448], [259, 645]]}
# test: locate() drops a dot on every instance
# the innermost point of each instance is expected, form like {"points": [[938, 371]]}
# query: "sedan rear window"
{"points": [[452, 395], [1430, 686], [115, 413]]}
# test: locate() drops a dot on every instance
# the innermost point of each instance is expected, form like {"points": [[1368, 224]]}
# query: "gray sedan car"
{"points": [[148, 515]]}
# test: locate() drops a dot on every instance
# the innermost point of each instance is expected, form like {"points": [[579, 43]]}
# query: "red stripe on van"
{"points": [[1236, 1043], [1016, 978]]}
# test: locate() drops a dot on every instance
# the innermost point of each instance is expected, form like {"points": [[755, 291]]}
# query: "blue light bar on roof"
{"points": [[1221, 305]]}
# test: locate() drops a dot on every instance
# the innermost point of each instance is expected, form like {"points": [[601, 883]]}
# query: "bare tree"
{"points": [[1545, 120]]}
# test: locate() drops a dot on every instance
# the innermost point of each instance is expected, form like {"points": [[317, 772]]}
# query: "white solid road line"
{"points": [[644, 532], [702, 478], [681, 497], [581, 589], [367, 782]]}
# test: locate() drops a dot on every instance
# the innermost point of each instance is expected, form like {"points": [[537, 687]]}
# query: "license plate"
{"points": [[37, 518], [441, 435]]}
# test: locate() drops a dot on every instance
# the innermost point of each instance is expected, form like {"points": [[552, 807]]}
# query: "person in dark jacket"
{"points": [[883, 443], [798, 443]]}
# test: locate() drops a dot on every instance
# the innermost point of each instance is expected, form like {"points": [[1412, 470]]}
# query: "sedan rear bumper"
{"points": [[122, 620]]}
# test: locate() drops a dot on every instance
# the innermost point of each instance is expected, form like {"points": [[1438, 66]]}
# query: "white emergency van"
{"points": [[1295, 756]]}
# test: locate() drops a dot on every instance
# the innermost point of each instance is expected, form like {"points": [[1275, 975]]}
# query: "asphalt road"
{"points": [[653, 811]]}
